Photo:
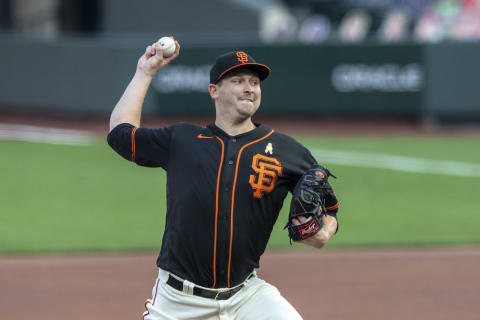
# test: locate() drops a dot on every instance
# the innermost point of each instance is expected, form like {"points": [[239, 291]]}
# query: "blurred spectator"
{"points": [[314, 29], [36, 17], [354, 26], [449, 19], [429, 27], [412, 8], [390, 20], [49, 18], [277, 24], [467, 25], [394, 26], [308, 21]]}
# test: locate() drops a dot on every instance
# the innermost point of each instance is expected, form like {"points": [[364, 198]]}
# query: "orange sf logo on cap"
{"points": [[242, 57]]}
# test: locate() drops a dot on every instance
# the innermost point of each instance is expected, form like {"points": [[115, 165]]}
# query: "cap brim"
{"points": [[262, 70]]}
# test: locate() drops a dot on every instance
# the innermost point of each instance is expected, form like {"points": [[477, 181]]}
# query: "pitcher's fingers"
{"points": [[177, 48], [154, 50], [149, 51], [158, 49], [303, 219]]}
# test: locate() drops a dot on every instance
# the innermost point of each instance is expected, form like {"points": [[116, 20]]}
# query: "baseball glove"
{"points": [[312, 197]]}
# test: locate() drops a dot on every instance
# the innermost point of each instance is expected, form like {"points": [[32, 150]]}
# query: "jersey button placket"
{"points": [[228, 174]]}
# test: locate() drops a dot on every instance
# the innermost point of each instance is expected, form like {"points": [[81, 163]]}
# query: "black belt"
{"points": [[211, 294]]}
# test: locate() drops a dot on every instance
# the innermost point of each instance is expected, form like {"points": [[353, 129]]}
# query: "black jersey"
{"points": [[224, 194]]}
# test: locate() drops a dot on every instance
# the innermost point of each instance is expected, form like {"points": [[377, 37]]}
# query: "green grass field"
{"points": [[86, 198]]}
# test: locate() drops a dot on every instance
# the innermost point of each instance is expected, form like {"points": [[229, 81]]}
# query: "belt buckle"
{"points": [[228, 293], [223, 295]]}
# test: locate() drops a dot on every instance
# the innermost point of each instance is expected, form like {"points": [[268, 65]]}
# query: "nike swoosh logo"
{"points": [[201, 136]]}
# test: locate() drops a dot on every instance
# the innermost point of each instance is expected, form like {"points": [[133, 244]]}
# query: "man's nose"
{"points": [[248, 87]]}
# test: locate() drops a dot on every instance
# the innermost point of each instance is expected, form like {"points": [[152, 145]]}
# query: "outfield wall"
{"points": [[404, 80]]}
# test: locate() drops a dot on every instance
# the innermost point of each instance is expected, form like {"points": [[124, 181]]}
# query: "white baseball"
{"points": [[168, 46]]}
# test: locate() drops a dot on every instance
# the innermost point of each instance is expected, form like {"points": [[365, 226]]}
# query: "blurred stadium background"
{"points": [[371, 84], [384, 92], [415, 60]]}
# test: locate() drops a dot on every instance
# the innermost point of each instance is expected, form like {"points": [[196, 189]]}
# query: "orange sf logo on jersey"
{"points": [[242, 57], [267, 169]]}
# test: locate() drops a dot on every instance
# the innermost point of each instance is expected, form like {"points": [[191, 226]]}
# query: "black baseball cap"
{"points": [[236, 60]]}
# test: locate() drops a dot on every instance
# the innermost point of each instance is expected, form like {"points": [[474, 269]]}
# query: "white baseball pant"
{"points": [[256, 300]]}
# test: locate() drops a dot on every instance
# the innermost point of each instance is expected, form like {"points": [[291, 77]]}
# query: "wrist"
{"points": [[144, 74]]}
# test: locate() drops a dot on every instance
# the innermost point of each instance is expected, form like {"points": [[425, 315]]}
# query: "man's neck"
{"points": [[234, 129]]}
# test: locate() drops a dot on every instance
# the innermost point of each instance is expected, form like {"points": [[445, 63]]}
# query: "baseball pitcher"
{"points": [[226, 184]]}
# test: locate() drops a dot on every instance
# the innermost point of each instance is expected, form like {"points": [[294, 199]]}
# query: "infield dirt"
{"points": [[440, 284]]}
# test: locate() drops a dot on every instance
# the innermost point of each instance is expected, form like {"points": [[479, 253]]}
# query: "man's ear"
{"points": [[213, 90]]}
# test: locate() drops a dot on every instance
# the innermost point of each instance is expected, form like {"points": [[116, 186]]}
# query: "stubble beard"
{"points": [[238, 111], [245, 112]]}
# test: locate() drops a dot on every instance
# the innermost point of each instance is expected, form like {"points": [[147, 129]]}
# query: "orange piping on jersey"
{"points": [[216, 217], [133, 144], [335, 206], [233, 199]]}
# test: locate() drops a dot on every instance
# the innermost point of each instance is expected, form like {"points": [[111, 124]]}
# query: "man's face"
{"points": [[238, 93]]}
